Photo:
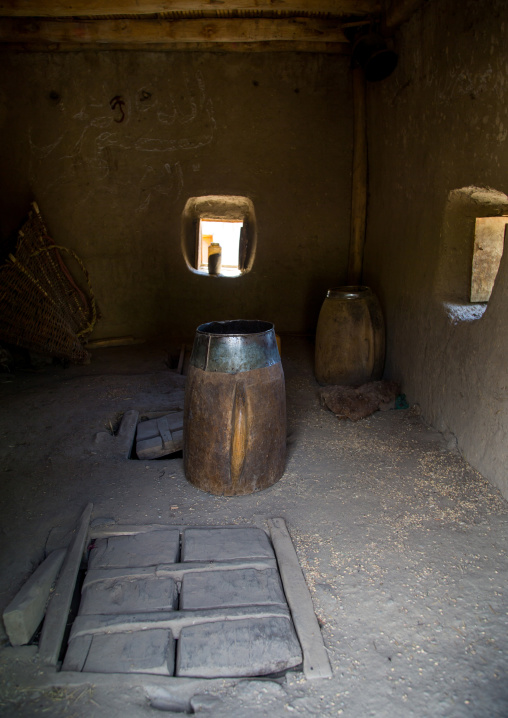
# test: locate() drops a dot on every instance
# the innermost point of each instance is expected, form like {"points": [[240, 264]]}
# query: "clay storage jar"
{"points": [[235, 409], [350, 337]]}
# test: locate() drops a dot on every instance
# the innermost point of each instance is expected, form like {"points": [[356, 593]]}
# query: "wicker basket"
{"points": [[41, 307]]}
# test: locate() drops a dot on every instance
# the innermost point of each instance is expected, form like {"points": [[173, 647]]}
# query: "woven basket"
{"points": [[41, 307]]}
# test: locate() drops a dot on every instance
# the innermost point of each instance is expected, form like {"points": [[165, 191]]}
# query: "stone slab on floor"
{"points": [[245, 587], [147, 549], [224, 544], [240, 648], [124, 596], [149, 651]]}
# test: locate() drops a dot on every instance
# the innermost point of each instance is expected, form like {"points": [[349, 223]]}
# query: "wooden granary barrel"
{"points": [[350, 337], [235, 409]]}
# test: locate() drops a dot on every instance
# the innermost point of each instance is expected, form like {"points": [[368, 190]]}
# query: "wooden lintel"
{"points": [[329, 48], [85, 8], [146, 33]]}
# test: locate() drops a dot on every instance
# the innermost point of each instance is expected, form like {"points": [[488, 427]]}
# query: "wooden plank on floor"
{"points": [[26, 610], [53, 629], [126, 433], [315, 658]]}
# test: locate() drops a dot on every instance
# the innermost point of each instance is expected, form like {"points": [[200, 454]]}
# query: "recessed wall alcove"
{"points": [[454, 274]]}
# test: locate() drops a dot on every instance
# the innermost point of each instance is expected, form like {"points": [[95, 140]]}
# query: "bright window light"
{"points": [[487, 253], [227, 235]]}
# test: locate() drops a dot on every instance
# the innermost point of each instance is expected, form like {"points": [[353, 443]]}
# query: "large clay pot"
{"points": [[350, 337], [235, 409]]}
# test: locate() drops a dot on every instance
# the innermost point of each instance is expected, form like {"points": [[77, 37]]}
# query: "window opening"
{"points": [[219, 223], [227, 235], [488, 250]]}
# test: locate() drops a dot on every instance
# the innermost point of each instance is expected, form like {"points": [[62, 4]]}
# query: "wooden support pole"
{"points": [[359, 180]]}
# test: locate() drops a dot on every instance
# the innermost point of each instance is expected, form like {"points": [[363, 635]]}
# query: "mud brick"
{"points": [[175, 421], [223, 544], [134, 595], [150, 448], [224, 589], [147, 430], [165, 433], [76, 653], [178, 439], [150, 651], [146, 549], [245, 647]]}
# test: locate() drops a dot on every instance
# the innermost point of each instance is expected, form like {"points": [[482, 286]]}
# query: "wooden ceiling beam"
{"points": [[329, 48], [87, 8], [138, 34]]}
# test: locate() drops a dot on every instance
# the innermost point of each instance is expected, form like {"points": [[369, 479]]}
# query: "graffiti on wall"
{"points": [[130, 146]]}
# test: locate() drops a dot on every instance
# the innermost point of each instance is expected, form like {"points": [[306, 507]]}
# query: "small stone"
{"points": [[206, 703]]}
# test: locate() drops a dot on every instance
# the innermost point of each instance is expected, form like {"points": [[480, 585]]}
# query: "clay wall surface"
{"points": [[438, 130], [113, 144]]}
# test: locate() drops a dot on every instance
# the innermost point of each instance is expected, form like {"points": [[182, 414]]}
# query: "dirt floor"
{"points": [[403, 545]]}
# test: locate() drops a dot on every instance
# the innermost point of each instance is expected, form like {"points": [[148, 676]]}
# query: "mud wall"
{"points": [[438, 131], [113, 144]]}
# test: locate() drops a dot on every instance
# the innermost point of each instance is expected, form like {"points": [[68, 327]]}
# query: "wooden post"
{"points": [[359, 182]]}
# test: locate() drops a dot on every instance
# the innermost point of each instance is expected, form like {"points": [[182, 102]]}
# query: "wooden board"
{"points": [[57, 614], [315, 658]]}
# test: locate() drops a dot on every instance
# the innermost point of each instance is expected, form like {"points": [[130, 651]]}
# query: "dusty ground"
{"points": [[403, 545]]}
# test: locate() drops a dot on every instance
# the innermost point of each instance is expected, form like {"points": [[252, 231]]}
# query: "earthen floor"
{"points": [[403, 545]]}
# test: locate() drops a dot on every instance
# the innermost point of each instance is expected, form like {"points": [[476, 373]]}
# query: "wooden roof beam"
{"points": [[146, 34], [87, 8]]}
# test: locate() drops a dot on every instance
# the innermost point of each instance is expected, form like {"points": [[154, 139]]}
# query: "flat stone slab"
{"points": [[144, 549], [224, 589], [150, 651], [240, 648], [129, 595], [223, 544]]}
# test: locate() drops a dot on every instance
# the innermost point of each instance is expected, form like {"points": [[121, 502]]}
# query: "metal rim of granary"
{"points": [[235, 345], [348, 292]]}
